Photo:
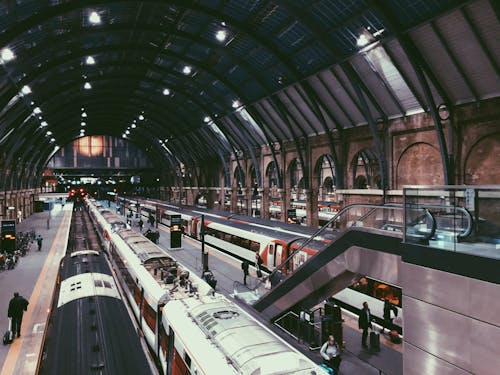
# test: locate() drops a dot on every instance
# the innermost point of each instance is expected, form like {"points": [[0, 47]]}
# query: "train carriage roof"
{"points": [[247, 344], [143, 248]]}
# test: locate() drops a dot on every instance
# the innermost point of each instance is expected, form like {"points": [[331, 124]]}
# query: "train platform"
{"points": [[227, 270], [34, 278]]}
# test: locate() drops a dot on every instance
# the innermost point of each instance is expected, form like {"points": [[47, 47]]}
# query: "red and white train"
{"points": [[189, 327], [240, 236]]}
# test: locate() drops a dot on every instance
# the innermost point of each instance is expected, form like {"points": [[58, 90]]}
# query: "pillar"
{"points": [[312, 208], [233, 205], [285, 204], [264, 203]]}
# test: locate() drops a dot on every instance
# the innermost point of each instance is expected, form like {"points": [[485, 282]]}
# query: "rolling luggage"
{"points": [[8, 335], [394, 336], [327, 369], [374, 340]]}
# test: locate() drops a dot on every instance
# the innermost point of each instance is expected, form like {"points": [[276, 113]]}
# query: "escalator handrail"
{"points": [[467, 214]]}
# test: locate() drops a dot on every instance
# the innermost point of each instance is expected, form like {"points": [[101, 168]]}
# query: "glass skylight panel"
{"points": [[252, 123]]}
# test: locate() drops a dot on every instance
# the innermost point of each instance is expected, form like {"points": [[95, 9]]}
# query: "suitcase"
{"points": [[8, 335], [374, 340], [259, 273], [327, 369], [394, 336]]}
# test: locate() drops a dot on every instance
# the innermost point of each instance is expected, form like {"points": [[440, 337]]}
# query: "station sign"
{"points": [[175, 231], [8, 235], [291, 216]]}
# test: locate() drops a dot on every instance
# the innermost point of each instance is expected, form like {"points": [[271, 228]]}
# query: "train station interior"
{"points": [[352, 145]]}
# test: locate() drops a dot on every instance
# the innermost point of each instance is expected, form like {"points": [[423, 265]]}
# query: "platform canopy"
{"points": [[198, 80]]}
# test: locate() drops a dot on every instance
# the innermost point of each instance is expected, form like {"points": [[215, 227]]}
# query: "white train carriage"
{"points": [[217, 337]]}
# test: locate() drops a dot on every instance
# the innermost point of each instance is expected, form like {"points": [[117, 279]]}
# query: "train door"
{"points": [[279, 254], [270, 255]]}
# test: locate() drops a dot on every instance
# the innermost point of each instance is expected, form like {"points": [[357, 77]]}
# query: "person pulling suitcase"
{"points": [[17, 305]]}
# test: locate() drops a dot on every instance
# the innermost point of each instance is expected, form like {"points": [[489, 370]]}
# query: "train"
{"points": [[191, 328], [240, 236], [89, 330]]}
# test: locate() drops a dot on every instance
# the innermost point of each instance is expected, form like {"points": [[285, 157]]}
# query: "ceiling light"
{"points": [[83, 123], [133, 126], [52, 139], [32, 103], [187, 70], [7, 54], [206, 119], [141, 117], [26, 90], [49, 132], [362, 40], [84, 114], [37, 110], [166, 92], [94, 18], [236, 103], [56, 148], [221, 35], [44, 123], [83, 109], [127, 132], [161, 142], [90, 60], [87, 86]]}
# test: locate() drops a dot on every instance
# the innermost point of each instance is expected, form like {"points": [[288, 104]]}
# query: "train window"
{"points": [[245, 243], [149, 315], [164, 340], [187, 359], [379, 290], [254, 246]]}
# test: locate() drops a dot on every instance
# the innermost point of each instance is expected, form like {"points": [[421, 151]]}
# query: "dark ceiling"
{"points": [[286, 70]]}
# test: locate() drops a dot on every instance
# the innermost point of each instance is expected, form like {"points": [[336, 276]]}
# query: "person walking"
{"points": [[17, 305], [330, 351], [388, 307], [39, 241], [364, 322], [258, 263], [141, 223], [244, 267]]}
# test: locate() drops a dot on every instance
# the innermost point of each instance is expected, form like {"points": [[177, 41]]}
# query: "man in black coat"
{"points": [[365, 322], [17, 305]]}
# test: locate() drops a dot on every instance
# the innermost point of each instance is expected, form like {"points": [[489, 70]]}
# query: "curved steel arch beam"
{"points": [[60, 9], [105, 28]]}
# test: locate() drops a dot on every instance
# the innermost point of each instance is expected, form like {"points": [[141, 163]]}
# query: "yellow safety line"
{"points": [[15, 348]]}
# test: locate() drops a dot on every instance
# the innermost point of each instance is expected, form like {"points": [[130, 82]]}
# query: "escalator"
{"points": [[358, 251], [369, 243]]}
